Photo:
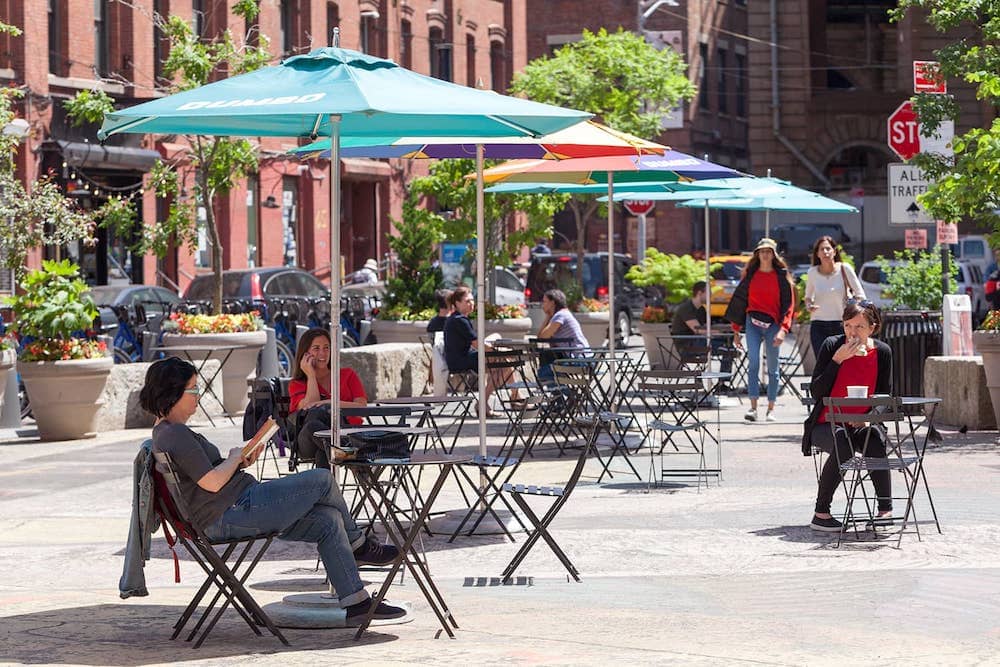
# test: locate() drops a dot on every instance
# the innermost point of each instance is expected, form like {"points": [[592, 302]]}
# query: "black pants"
{"points": [[820, 330], [316, 418], [850, 440]]}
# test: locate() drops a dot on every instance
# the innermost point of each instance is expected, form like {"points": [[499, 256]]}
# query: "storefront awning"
{"points": [[95, 156]]}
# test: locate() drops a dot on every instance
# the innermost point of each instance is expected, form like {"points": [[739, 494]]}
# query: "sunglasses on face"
{"points": [[864, 303], [194, 391]]}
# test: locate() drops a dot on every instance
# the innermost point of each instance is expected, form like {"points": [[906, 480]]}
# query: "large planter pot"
{"points": [[402, 331], [7, 361], [515, 327], [594, 326], [240, 367], [987, 345], [653, 334], [65, 395]]}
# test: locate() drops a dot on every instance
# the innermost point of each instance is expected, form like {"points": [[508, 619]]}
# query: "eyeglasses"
{"points": [[194, 391], [864, 303]]}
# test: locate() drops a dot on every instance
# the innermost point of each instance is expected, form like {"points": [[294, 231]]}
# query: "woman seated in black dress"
{"points": [[460, 342]]}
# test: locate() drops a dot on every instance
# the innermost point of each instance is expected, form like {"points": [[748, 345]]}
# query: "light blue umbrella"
{"points": [[336, 93]]}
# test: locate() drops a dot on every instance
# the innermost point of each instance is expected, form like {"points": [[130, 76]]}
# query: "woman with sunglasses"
{"points": [[851, 359], [829, 283], [762, 305], [228, 504]]}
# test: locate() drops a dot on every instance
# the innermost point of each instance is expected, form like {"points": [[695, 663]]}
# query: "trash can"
{"points": [[913, 335]]}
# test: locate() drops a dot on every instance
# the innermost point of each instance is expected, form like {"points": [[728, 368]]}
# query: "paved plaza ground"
{"points": [[676, 575]]}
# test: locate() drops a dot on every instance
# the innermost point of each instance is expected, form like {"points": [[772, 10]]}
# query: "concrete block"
{"points": [[961, 384], [389, 370], [120, 408]]}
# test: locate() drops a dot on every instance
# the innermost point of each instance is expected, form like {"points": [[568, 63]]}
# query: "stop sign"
{"points": [[638, 206], [904, 131]]}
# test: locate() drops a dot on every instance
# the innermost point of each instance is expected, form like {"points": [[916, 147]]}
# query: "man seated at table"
{"points": [[437, 322], [689, 321], [559, 325]]}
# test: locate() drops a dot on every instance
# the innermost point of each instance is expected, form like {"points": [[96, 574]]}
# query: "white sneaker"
{"points": [[770, 417], [751, 415]]}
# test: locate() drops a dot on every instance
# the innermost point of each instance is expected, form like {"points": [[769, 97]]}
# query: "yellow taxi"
{"points": [[725, 278]]}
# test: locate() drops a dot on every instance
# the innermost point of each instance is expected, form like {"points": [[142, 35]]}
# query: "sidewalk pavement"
{"points": [[727, 575]]}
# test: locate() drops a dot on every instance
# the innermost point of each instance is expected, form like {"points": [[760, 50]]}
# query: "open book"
{"points": [[260, 438]]}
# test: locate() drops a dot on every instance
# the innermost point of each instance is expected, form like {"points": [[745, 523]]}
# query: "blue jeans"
{"points": [[305, 507], [755, 336]]}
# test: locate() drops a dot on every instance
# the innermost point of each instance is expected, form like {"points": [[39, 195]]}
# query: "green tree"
{"points": [[410, 292], [450, 185], [215, 164], [626, 82], [674, 274], [965, 186], [914, 281], [36, 215]]}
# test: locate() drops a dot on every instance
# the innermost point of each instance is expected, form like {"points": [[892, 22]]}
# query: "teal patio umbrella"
{"points": [[335, 92]]}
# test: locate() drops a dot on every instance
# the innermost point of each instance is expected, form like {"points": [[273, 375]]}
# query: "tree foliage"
{"points": [[214, 164], [410, 292], [674, 274], [967, 185], [914, 282], [626, 82]]}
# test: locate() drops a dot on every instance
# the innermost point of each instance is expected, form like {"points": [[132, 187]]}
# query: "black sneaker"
{"points": [[828, 525], [373, 552], [383, 612]]}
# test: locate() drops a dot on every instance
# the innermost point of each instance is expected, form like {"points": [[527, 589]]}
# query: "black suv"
{"points": [[556, 271], [795, 242]]}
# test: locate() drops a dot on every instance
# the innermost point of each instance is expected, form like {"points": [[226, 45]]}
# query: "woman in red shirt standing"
{"points": [[309, 391], [853, 359], [762, 305]]}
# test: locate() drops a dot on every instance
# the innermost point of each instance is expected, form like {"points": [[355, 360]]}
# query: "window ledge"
{"points": [[7, 73], [85, 84]]}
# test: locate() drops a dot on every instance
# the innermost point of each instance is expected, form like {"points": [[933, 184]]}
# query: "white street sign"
{"points": [[905, 183], [940, 140]]}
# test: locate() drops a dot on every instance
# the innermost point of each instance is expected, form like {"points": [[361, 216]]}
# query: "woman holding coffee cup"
{"points": [[852, 365]]}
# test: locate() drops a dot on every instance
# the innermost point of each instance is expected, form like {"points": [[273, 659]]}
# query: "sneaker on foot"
{"points": [[373, 552], [383, 612], [770, 417], [828, 525], [879, 523], [751, 415]]}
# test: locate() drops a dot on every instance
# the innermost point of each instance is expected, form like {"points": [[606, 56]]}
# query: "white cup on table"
{"points": [[857, 391]]}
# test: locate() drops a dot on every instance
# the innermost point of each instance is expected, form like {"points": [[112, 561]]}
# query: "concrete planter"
{"points": [[515, 327], [987, 345], [65, 395], [7, 360], [650, 332], [241, 366], [594, 326], [403, 331]]}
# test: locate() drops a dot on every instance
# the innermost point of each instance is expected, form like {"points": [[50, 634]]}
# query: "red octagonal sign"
{"points": [[904, 131], [638, 206]]}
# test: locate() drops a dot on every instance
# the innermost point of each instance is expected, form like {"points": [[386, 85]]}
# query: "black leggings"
{"points": [[850, 440], [316, 418]]}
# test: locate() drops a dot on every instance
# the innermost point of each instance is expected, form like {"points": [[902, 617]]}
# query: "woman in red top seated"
{"points": [[310, 394], [849, 360]]}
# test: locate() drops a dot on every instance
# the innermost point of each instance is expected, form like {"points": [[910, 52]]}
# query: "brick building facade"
{"points": [[280, 215]]}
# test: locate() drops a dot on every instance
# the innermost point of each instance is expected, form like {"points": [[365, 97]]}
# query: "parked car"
{"points": [[259, 283], [509, 288], [973, 249], [795, 242], [966, 279], [556, 271], [725, 279], [153, 300]]}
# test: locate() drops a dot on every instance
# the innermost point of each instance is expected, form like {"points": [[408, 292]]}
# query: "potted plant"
{"points": [[203, 331], [63, 365], [509, 321], [986, 340], [8, 354], [593, 316]]}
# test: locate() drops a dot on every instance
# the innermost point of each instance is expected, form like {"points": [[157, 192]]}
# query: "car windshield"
{"points": [[556, 273]]}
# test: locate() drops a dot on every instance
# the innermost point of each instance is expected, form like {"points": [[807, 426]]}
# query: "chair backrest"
{"points": [[877, 410], [381, 411], [172, 507], [668, 381], [439, 366]]}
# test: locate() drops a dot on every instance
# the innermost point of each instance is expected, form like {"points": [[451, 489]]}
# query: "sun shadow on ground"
{"points": [[802, 534], [138, 634]]}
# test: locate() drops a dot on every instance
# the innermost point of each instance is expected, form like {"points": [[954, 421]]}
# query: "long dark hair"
{"points": [[833, 244], [305, 342], [166, 381], [855, 307]]}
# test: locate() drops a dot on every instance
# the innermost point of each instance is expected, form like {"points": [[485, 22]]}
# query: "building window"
{"points": [[440, 55], [57, 22], [703, 76], [161, 45], [101, 59], [470, 61], [332, 21], [369, 40], [287, 26], [198, 16], [406, 44], [289, 219], [498, 70], [251, 28], [720, 66], [741, 85]]}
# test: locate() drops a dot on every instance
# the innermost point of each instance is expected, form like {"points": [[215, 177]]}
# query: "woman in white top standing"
{"points": [[827, 287]]}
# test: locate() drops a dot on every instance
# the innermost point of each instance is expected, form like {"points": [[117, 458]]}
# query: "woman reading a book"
{"points": [[227, 503], [309, 391]]}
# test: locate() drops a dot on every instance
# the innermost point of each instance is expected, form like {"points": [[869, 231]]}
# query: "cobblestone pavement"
{"points": [[725, 575]]}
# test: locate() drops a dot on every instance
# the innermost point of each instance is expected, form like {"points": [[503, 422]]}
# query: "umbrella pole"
{"points": [[481, 294], [708, 280], [335, 335], [611, 275], [767, 223]]}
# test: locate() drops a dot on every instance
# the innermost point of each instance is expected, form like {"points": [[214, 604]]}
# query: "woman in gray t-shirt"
{"points": [[560, 326]]}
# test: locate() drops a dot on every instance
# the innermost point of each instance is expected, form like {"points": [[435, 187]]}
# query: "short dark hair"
{"points": [[557, 297], [166, 381], [699, 286], [441, 298], [854, 307]]}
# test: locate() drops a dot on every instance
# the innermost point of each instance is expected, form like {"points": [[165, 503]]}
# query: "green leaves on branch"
{"points": [[410, 293], [675, 274], [54, 304], [915, 283], [88, 107]]}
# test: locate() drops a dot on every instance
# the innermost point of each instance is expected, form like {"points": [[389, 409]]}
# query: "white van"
{"points": [[975, 250]]}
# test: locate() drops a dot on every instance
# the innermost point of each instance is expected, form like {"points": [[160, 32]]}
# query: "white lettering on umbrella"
{"points": [[222, 104]]}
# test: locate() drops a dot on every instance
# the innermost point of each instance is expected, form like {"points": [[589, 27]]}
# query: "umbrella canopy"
{"points": [[373, 97], [670, 167], [586, 139], [767, 194]]}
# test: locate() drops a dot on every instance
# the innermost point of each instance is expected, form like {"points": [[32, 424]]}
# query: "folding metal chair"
{"points": [[228, 579], [789, 365], [561, 494]]}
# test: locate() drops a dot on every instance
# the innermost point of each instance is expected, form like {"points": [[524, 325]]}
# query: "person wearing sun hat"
{"points": [[367, 274], [762, 307]]}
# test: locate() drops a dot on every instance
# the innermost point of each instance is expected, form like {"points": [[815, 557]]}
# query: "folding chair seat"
{"points": [[560, 495], [227, 570]]}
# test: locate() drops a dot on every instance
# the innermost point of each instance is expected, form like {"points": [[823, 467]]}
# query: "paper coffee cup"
{"points": [[857, 391]]}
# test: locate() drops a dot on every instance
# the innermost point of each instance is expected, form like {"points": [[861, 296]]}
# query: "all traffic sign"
{"points": [[904, 131], [638, 206]]}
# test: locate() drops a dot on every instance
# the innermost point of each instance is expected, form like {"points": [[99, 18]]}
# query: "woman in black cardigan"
{"points": [[855, 358]]}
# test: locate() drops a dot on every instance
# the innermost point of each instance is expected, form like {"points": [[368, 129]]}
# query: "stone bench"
{"points": [[389, 370], [961, 384]]}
